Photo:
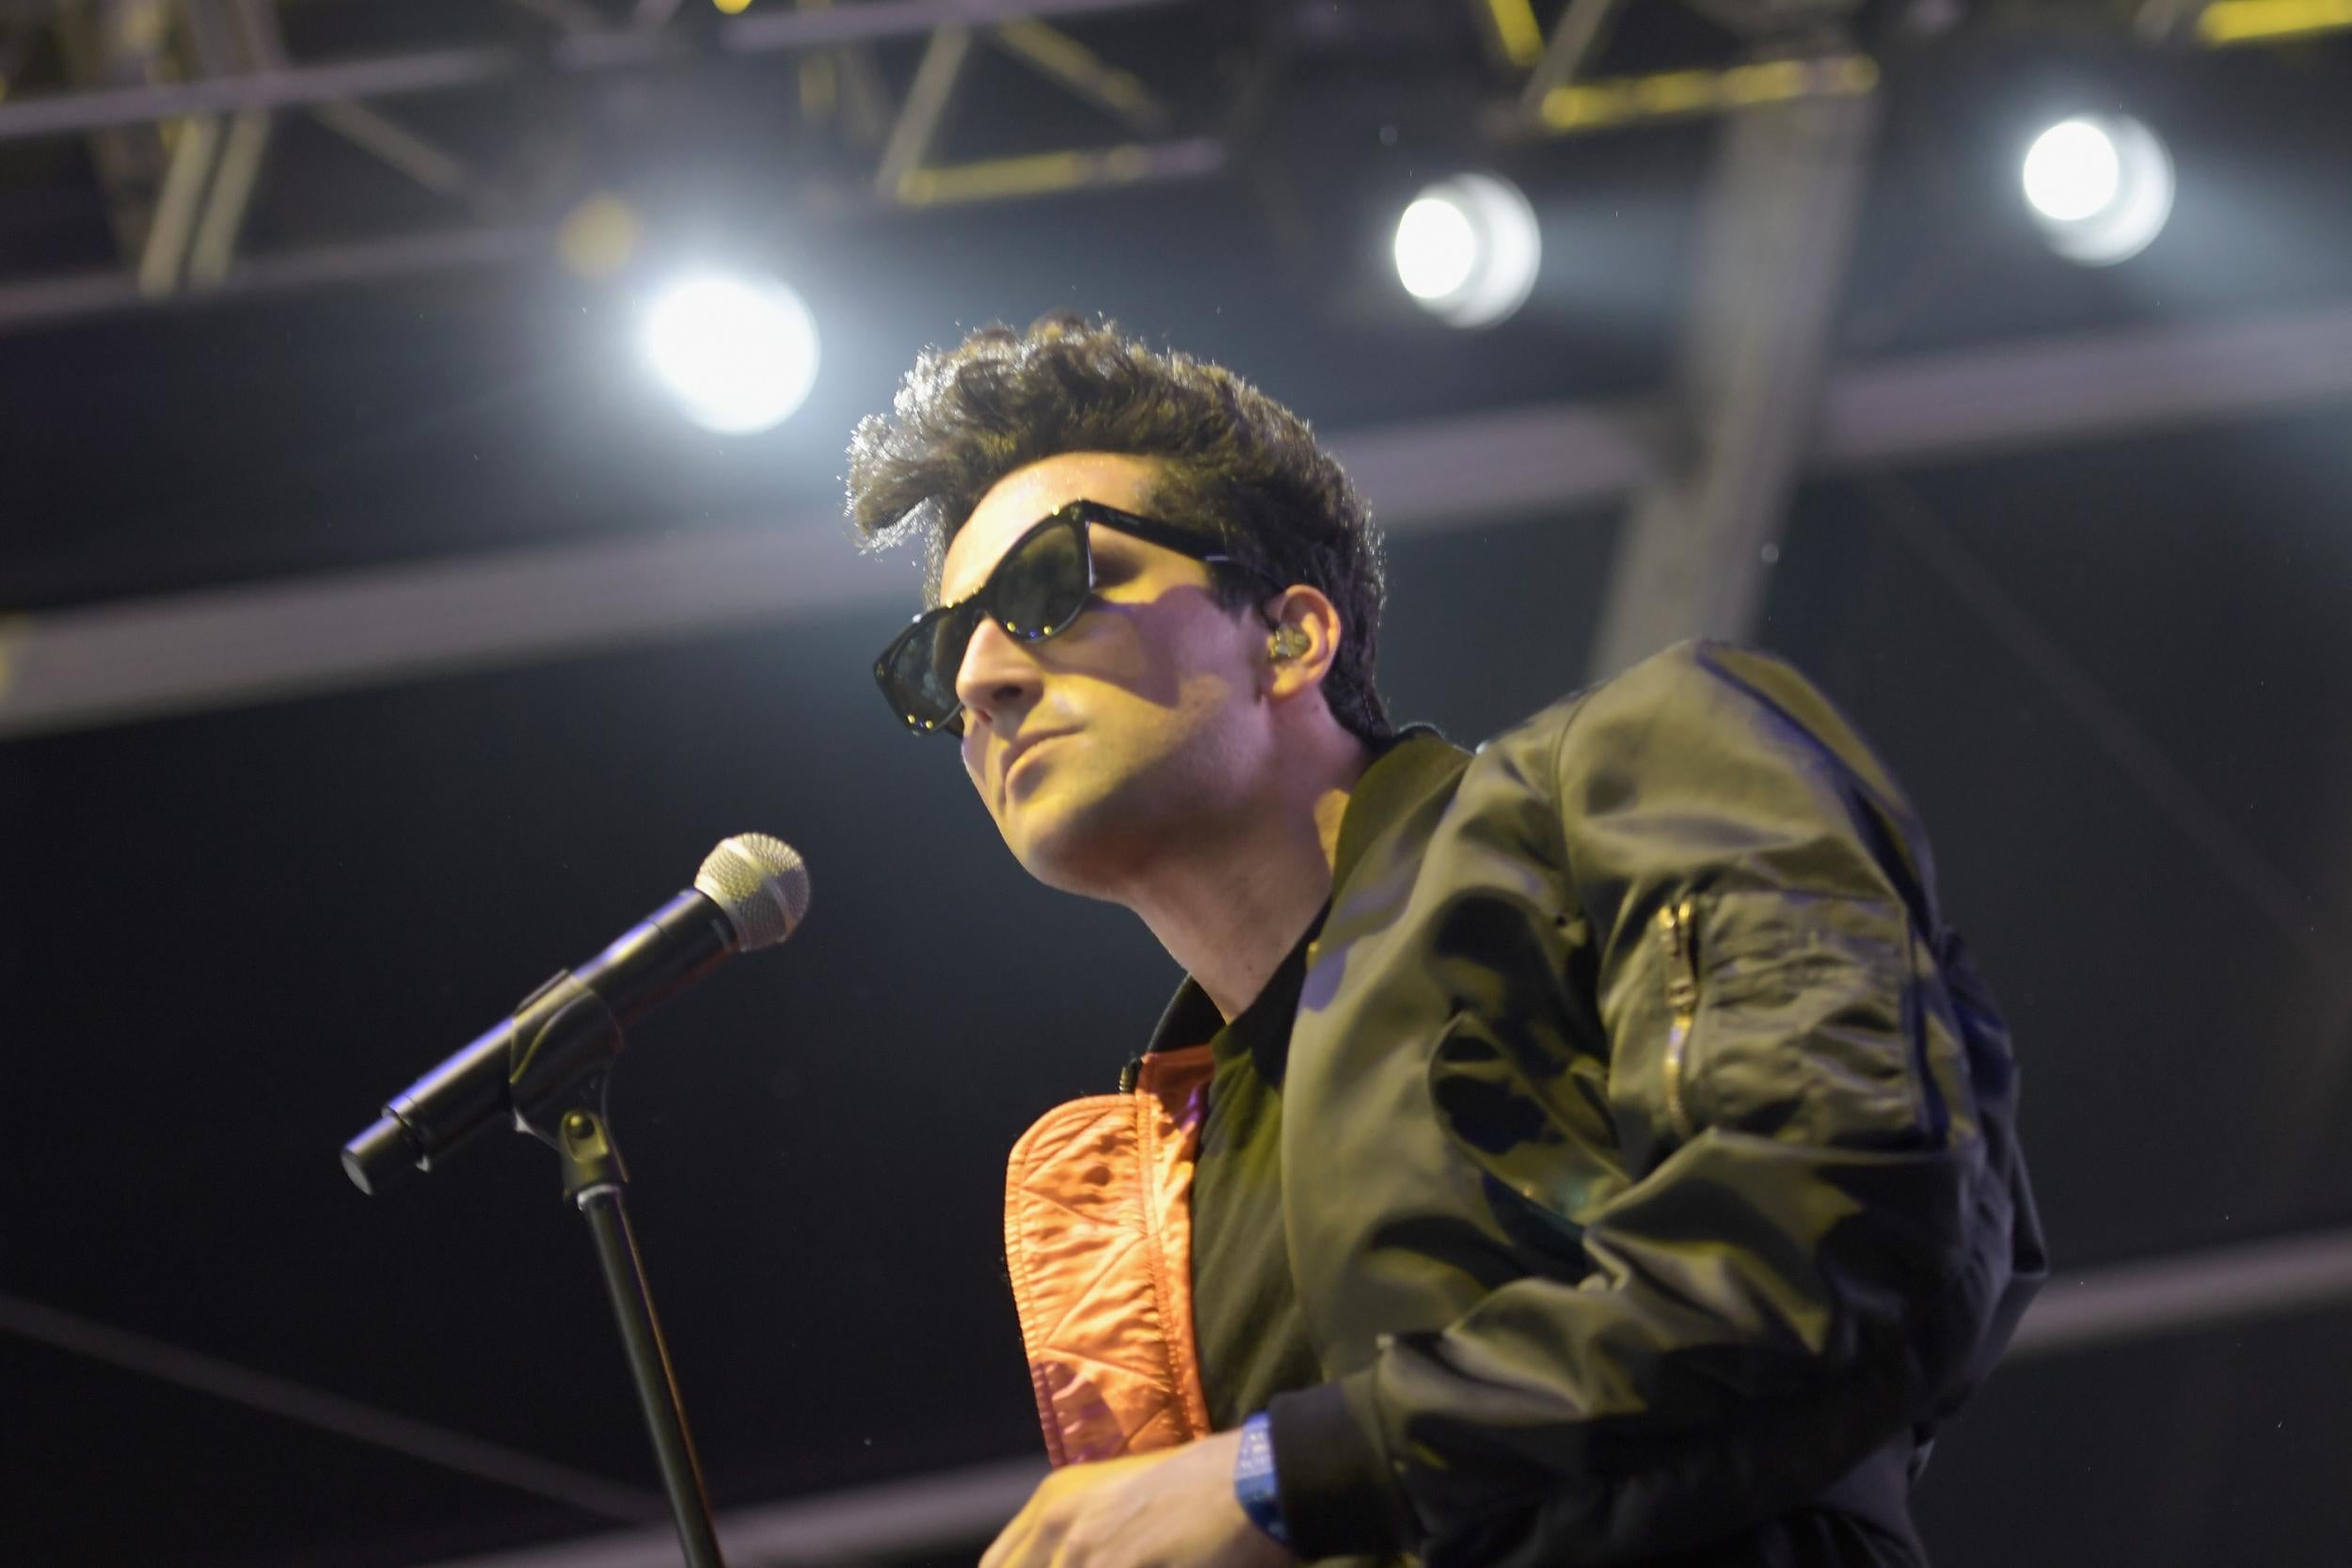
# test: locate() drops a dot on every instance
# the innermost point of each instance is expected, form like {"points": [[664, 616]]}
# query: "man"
{"points": [[1593, 1150]]}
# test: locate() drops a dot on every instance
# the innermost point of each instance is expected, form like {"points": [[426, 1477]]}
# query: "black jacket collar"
{"points": [[1401, 772]]}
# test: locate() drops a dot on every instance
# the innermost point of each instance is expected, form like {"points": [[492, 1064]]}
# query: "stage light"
{"points": [[1436, 247], [1468, 251], [2101, 187], [739, 352], [2073, 171]]}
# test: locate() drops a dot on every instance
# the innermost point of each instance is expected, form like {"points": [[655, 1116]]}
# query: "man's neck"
{"points": [[1232, 914]]}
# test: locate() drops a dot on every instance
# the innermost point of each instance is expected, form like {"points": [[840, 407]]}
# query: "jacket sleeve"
{"points": [[1822, 1236]]}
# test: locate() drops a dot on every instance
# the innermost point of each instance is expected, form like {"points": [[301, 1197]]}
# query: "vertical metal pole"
{"points": [[1693, 559], [594, 1178]]}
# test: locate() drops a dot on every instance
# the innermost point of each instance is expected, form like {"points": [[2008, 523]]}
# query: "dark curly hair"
{"points": [[1233, 464]]}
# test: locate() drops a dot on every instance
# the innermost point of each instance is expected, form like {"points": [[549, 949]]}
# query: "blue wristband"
{"points": [[1254, 1485]]}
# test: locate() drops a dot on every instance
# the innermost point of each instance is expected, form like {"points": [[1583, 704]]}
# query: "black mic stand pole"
{"points": [[574, 1125]]}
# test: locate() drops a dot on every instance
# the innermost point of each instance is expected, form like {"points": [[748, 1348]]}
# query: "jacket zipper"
{"points": [[1682, 1006]]}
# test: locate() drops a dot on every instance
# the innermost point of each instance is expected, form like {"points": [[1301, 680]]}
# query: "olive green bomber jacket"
{"points": [[1648, 1144]]}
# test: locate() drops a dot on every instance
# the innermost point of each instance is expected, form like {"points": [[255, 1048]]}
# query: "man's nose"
{"points": [[999, 673]]}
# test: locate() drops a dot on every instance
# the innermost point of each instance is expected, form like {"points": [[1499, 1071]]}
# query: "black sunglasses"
{"points": [[1041, 585]]}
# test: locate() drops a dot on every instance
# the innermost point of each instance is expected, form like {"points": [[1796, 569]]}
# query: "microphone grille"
{"points": [[762, 884]]}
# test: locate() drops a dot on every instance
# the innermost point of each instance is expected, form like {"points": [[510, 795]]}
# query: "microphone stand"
{"points": [[573, 1123], [557, 1050]]}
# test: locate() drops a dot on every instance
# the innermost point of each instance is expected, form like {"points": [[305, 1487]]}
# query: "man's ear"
{"points": [[1302, 642]]}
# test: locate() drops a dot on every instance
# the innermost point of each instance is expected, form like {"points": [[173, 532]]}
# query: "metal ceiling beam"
{"points": [[2083, 386], [397, 147], [935, 1513], [1577, 40], [923, 107], [195, 651], [171, 222], [213, 250], [64, 298], [1084, 74], [120, 43], [433, 70], [221, 41], [74, 669], [1513, 37], [2225, 23], [1044, 173], [1779, 218], [2163, 22], [318, 1409], [185, 652], [48, 301], [2189, 1291], [1611, 103]]}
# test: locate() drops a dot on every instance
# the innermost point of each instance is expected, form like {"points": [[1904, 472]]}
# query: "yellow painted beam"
{"points": [[1625, 101], [2229, 22], [1039, 174], [1082, 71], [820, 80], [1518, 31]]}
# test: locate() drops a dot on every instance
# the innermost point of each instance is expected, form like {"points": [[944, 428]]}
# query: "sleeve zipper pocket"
{"points": [[1675, 928]]}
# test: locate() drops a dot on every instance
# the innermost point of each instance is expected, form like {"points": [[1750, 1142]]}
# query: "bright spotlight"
{"points": [[1436, 247], [2101, 187], [2073, 171], [739, 352], [1468, 249]]}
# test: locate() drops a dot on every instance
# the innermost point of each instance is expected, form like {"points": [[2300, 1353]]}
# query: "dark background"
{"points": [[226, 936]]}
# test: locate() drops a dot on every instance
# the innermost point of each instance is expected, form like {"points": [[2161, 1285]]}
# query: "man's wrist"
{"points": [[1255, 1486]]}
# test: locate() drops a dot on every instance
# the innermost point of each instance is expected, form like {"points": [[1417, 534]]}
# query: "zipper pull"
{"points": [[1129, 1074], [1682, 968], [1682, 1005]]}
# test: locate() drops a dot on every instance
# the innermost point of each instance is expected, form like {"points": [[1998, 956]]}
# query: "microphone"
{"points": [[751, 892]]}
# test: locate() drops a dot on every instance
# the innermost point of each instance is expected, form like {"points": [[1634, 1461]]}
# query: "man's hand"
{"points": [[1170, 1509]]}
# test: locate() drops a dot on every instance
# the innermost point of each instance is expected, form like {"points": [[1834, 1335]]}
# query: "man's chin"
{"points": [[1065, 849], [1051, 860]]}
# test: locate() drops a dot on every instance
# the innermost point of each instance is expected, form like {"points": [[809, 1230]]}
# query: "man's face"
{"points": [[1147, 695]]}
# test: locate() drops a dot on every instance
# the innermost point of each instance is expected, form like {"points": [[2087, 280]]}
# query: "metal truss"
{"points": [[183, 104], [1563, 87], [178, 99]]}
